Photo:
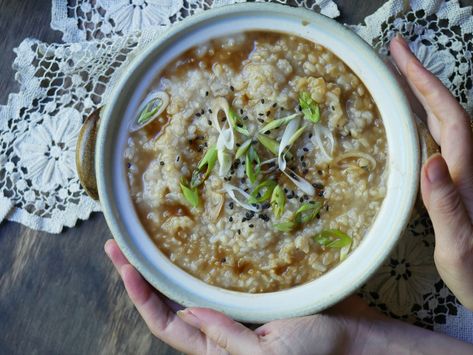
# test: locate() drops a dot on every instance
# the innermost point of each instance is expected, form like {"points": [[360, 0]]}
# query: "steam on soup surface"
{"points": [[258, 161]]}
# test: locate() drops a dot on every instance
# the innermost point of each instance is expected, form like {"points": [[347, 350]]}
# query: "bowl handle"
{"points": [[85, 154]]}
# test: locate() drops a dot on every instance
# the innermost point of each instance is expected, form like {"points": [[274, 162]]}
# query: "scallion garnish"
{"points": [[252, 165], [262, 192], [230, 190], [190, 194], [243, 149], [209, 160], [278, 201], [333, 238], [307, 212], [149, 111], [296, 135], [224, 161], [285, 226], [269, 143], [290, 130], [237, 123], [310, 108], [277, 123]]}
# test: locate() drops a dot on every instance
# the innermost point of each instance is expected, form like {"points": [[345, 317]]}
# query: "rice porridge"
{"points": [[257, 162]]}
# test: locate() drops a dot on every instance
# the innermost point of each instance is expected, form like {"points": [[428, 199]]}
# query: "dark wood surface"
{"points": [[59, 293]]}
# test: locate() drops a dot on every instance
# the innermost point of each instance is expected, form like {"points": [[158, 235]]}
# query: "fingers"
{"points": [[448, 121], [161, 320], [452, 225], [226, 333]]}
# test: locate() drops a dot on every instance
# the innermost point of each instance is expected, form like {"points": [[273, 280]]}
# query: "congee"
{"points": [[257, 162]]}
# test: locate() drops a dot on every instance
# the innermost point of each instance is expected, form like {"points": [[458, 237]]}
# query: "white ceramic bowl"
{"points": [[403, 163]]}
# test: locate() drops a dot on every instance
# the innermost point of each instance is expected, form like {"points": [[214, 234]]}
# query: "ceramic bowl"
{"points": [[403, 163]]}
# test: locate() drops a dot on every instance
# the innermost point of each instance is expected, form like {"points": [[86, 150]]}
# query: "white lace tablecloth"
{"points": [[61, 84]]}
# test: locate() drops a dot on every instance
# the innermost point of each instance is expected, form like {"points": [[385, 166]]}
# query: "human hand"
{"points": [[447, 179], [350, 327]]}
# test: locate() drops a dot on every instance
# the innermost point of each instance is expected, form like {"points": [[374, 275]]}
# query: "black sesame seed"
{"points": [[210, 110], [161, 163], [209, 122], [238, 144], [243, 220], [241, 111], [268, 113], [262, 101], [299, 108], [260, 114], [267, 132], [223, 260], [306, 197], [275, 105], [265, 205], [321, 193], [231, 205], [198, 114], [286, 190], [230, 219], [318, 216], [239, 231], [320, 172], [232, 88], [261, 120], [326, 208], [245, 118], [311, 135], [305, 149], [302, 158], [301, 200], [206, 93], [202, 112], [251, 225]]}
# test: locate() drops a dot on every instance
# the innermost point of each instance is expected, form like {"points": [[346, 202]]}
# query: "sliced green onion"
{"points": [[263, 190], [333, 238], [269, 143], [225, 162], [226, 138], [277, 123], [278, 201], [252, 165], [310, 108], [290, 130], [237, 123], [307, 212], [190, 194], [230, 190], [209, 160], [243, 149], [149, 111], [285, 226], [296, 135], [300, 182]]}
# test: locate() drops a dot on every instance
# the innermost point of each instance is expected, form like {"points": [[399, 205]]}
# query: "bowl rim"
{"points": [[111, 203]]}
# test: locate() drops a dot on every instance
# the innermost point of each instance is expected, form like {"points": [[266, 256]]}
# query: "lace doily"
{"points": [[60, 84]]}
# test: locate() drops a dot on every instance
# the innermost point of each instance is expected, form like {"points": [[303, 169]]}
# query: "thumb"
{"points": [[444, 204], [231, 336], [452, 226]]}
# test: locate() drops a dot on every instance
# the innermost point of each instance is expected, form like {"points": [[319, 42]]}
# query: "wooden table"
{"points": [[60, 294]]}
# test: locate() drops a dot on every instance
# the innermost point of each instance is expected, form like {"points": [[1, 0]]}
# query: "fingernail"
{"points": [[187, 316], [436, 169]]}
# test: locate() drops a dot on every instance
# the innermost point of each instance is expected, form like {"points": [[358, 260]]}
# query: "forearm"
{"points": [[388, 336]]}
